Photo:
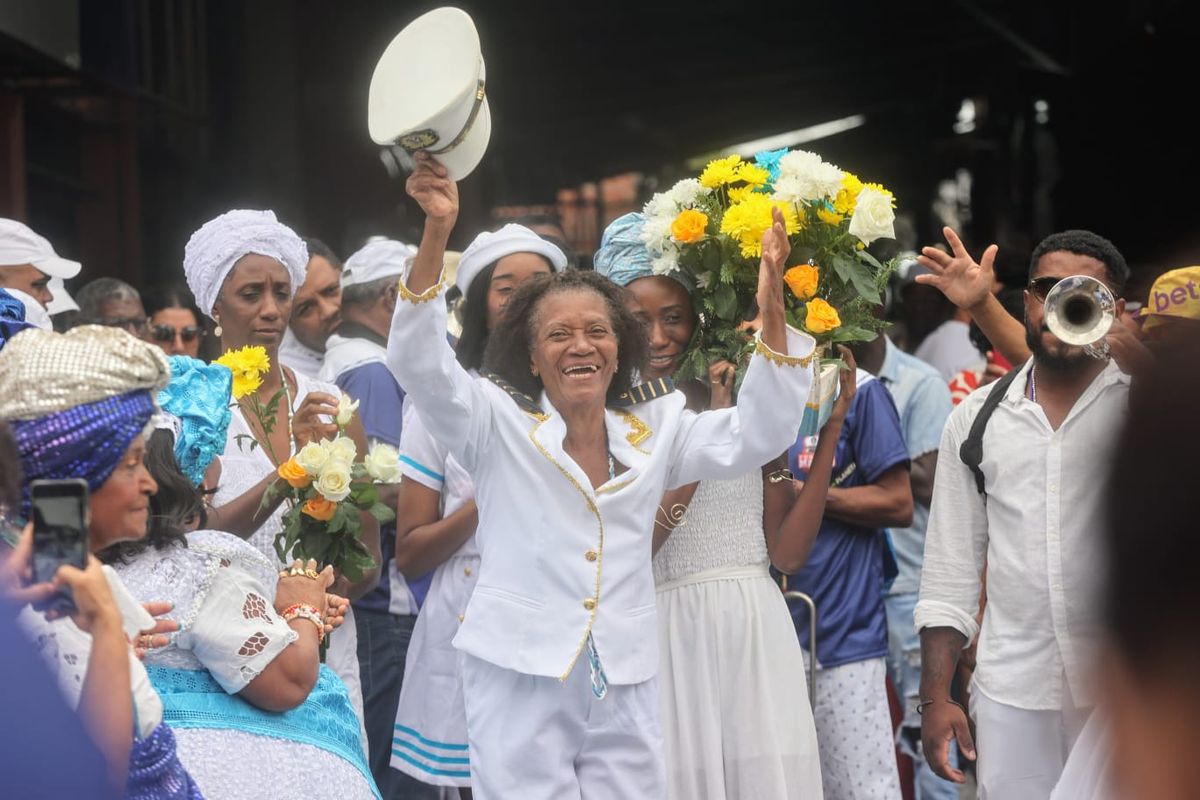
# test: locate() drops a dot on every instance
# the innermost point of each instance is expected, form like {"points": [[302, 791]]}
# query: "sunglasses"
{"points": [[167, 333], [1040, 287], [134, 325]]}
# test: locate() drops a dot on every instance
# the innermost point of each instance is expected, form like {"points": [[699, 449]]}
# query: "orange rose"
{"points": [[821, 317], [689, 226], [319, 508], [294, 474], [802, 280]]}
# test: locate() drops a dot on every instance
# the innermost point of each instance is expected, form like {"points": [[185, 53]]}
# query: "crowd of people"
{"points": [[582, 591]]}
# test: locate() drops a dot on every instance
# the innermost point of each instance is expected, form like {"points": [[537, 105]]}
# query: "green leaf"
{"points": [[866, 257], [726, 302], [858, 275], [338, 523], [382, 513], [366, 494]]}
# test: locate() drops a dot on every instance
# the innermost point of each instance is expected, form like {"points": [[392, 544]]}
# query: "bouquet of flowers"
{"points": [[707, 232], [324, 484]]}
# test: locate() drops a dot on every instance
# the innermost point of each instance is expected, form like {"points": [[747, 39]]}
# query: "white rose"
{"points": [[383, 463], [342, 449], [334, 483], [804, 176], [873, 216], [312, 457], [346, 409]]}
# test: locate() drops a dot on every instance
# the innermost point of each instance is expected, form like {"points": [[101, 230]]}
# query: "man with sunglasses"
{"points": [[113, 303], [1033, 522]]}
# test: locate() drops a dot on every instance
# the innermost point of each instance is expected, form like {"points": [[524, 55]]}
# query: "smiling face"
{"points": [[574, 348], [511, 271], [1049, 349], [120, 508], [255, 303], [664, 307]]}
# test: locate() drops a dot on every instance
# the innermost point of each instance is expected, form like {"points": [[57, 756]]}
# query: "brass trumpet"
{"points": [[1080, 310]]}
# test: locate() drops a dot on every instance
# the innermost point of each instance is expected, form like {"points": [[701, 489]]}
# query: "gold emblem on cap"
{"points": [[418, 140]]}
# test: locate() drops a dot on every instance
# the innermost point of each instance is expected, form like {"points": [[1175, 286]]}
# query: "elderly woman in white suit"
{"points": [[559, 640]]}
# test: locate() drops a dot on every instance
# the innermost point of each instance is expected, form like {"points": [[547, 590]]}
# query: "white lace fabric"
{"points": [[721, 528]]}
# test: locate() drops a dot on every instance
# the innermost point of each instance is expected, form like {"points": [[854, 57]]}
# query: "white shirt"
{"points": [[949, 350], [1038, 534], [299, 357], [560, 560]]}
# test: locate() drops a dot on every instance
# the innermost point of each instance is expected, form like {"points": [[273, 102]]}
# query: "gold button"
{"points": [[461, 618], [591, 555], [467, 571], [590, 603]]}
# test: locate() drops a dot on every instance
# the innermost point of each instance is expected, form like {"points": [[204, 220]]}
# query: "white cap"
{"points": [[60, 298], [20, 245], [380, 258], [489, 247], [35, 315], [428, 92]]}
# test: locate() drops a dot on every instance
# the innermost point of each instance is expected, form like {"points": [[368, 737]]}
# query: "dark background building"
{"points": [[125, 124]]}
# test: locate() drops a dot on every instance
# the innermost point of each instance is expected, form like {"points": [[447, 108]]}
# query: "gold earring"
{"points": [[217, 331]]}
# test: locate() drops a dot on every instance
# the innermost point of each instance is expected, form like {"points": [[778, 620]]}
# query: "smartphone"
{"points": [[60, 534]]}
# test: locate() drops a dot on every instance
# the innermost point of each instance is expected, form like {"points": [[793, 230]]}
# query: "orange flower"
{"points": [[821, 317], [319, 508], [802, 280], [689, 226], [294, 474]]}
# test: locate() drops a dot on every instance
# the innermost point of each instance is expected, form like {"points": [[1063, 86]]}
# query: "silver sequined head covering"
{"points": [[42, 372], [213, 251]]}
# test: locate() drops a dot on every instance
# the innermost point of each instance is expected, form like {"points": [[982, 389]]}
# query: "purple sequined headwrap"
{"points": [[87, 441]]}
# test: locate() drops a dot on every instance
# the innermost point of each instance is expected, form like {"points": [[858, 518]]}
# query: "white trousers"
{"points": [[1021, 752], [533, 737]]}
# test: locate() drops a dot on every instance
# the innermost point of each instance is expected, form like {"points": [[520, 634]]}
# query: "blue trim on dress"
{"points": [[427, 755], [430, 742], [449, 773], [326, 720], [419, 467]]}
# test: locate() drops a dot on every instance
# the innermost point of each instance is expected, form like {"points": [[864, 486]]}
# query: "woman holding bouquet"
{"points": [[736, 717], [437, 518], [569, 466], [243, 268]]}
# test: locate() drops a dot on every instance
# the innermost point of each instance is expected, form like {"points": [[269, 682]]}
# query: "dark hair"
{"points": [[511, 343], [175, 502], [1152, 597], [157, 298], [1085, 243], [474, 339], [318, 248]]}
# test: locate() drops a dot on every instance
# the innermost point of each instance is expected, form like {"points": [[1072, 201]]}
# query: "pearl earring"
{"points": [[217, 331]]}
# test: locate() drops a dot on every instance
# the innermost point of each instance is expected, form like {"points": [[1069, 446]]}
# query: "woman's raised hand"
{"points": [[307, 423], [431, 187], [775, 251], [721, 376]]}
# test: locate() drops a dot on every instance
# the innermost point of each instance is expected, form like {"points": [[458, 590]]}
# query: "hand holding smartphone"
{"points": [[60, 535]]}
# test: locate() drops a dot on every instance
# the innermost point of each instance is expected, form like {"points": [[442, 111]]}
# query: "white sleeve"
{"points": [[422, 458], [725, 444], [236, 632], [451, 403], [956, 538]]}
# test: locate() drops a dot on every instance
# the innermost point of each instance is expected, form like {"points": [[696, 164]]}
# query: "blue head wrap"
{"points": [[198, 395], [623, 257], [12, 317], [86, 441]]}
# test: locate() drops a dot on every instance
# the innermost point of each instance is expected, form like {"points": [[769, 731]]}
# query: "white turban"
{"points": [[214, 249], [489, 247]]}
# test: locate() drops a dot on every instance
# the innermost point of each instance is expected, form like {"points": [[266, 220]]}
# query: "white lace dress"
{"points": [[242, 467], [736, 718], [223, 594]]}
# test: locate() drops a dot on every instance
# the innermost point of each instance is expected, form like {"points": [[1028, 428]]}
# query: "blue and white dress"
{"points": [[430, 739], [223, 591]]}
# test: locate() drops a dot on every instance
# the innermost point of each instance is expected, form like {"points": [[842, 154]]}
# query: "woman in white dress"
{"points": [[436, 524], [243, 268], [737, 722]]}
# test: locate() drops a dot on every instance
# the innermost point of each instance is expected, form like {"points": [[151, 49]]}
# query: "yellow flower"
{"points": [[689, 226], [848, 196], [829, 217], [319, 508], [721, 172], [739, 193], [821, 317], [746, 221], [294, 474], [753, 174], [802, 280], [248, 366]]}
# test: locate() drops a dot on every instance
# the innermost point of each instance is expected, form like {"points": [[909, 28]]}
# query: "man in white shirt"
{"points": [[1035, 526]]}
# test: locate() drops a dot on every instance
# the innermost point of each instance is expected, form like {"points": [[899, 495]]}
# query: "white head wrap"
{"points": [[489, 247], [214, 249]]}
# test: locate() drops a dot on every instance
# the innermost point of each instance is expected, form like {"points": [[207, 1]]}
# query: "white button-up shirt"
{"points": [[1038, 532]]}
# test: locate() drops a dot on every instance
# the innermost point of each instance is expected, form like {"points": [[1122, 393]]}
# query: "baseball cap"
{"points": [[378, 258], [20, 245], [60, 298], [1174, 294]]}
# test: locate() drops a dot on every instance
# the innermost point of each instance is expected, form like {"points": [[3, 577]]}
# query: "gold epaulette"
{"points": [[643, 392]]}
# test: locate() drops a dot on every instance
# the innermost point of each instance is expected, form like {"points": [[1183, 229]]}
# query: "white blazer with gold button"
{"points": [[559, 559]]}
